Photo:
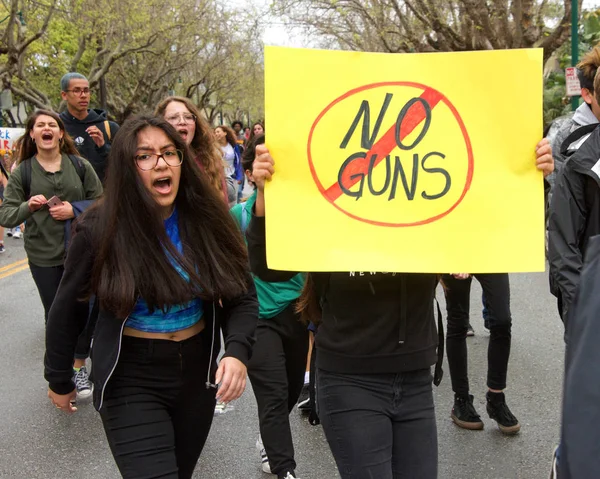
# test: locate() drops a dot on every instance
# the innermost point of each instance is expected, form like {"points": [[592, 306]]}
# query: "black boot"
{"points": [[499, 412], [464, 414]]}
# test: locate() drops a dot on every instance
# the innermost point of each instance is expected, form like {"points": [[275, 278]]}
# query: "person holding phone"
{"points": [[45, 149], [169, 270]]}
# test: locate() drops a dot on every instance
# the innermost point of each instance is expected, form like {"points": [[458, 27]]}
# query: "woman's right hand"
{"points": [[262, 168], [36, 202], [63, 401]]}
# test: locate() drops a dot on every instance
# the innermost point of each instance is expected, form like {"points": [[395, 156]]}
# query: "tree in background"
{"points": [[397, 26], [133, 52]]}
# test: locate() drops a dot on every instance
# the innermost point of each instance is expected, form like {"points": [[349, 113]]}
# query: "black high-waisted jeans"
{"points": [[157, 411], [380, 425]]}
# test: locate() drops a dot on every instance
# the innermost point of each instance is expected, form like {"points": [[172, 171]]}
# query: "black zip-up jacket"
{"points": [[371, 322], [580, 438], [574, 218], [97, 156], [68, 315]]}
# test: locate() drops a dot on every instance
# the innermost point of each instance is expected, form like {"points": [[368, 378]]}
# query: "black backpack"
{"points": [[26, 173]]}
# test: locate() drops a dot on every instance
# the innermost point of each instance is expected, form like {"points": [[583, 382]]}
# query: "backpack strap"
{"points": [[578, 134], [313, 416], [438, 372], [26, 178], [79, 168], [107, 128], [244, 218]]}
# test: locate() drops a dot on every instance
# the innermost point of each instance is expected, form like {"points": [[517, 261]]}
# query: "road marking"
{"points": [[14, 271], [13, 265]]}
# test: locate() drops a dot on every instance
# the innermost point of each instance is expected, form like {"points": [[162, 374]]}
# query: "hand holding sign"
{"points": [[544, 160], [262, 171], [262, 168]]}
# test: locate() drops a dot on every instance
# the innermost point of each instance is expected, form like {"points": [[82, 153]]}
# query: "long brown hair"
{"points": [[203, 146], [252, 134], [28, 148], [134, 251], [230, 136]]}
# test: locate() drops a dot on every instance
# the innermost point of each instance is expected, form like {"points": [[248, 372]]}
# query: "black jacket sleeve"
{"points": [[239, 324], [566, 226], [257, 250], [68, 314]]}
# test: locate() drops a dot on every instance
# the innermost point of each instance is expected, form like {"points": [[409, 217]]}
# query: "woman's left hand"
{"points": [[543, 157], [231, 378], [63, 212]]}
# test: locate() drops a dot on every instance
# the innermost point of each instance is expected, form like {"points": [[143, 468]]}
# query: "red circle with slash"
{"points": [[386, 143]]}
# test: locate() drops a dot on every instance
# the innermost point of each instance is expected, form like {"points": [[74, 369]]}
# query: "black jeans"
{"points": [[47, 279], [496, 290], [380, 425], [276, 371], [157, 411]]}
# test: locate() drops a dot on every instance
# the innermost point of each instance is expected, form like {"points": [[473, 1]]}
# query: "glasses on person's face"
{"points": [[184, 117], [147, 161], [80, 91]]}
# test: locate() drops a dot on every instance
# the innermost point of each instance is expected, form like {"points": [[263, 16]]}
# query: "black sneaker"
{"points": [[304, 399], [470, 330], [499, 412], [464, 414]]}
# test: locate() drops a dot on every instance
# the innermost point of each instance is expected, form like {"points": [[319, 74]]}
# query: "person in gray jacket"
{"points": [[588, 112]]}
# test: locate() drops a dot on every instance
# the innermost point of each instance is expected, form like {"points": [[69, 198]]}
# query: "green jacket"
{"points": [[273, 298], [45, 236]]}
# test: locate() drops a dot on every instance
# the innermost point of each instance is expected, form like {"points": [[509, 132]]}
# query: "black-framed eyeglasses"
{"points": [[80, 91], [147, 161], [186, 117]]}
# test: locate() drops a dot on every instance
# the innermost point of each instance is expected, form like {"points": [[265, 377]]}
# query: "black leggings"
{"points": [[47, 279], [276, 372], [496, 290], [157, 411]]}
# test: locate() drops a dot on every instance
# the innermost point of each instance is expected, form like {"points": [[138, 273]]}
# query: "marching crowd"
{"points": [[140, 239]]}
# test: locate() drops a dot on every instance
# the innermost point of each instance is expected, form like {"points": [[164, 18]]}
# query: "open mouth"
{"points": [[162, 185], [183, 133], [47, 136]]}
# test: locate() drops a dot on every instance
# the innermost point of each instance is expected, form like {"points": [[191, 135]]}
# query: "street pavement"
{"points": [[39, 442]]}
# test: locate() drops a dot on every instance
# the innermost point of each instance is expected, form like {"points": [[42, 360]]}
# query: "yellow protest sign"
{"points": [[404, 162]]}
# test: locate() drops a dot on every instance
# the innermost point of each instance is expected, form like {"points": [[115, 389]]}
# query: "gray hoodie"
{"points": [[582, 116]]}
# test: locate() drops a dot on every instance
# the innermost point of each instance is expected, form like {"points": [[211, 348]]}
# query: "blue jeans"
{"points": [[379, 425]]}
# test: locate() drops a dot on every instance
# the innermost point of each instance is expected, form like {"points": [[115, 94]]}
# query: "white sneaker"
{"points": [[266, 467], [17, 234], [289, 475], [82, 383]]}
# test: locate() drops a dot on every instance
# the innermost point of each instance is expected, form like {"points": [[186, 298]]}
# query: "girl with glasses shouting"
{"points": [[170, 271]]}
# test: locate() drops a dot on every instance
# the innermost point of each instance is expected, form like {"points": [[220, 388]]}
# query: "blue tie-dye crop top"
{"points": [[177, 317]]}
